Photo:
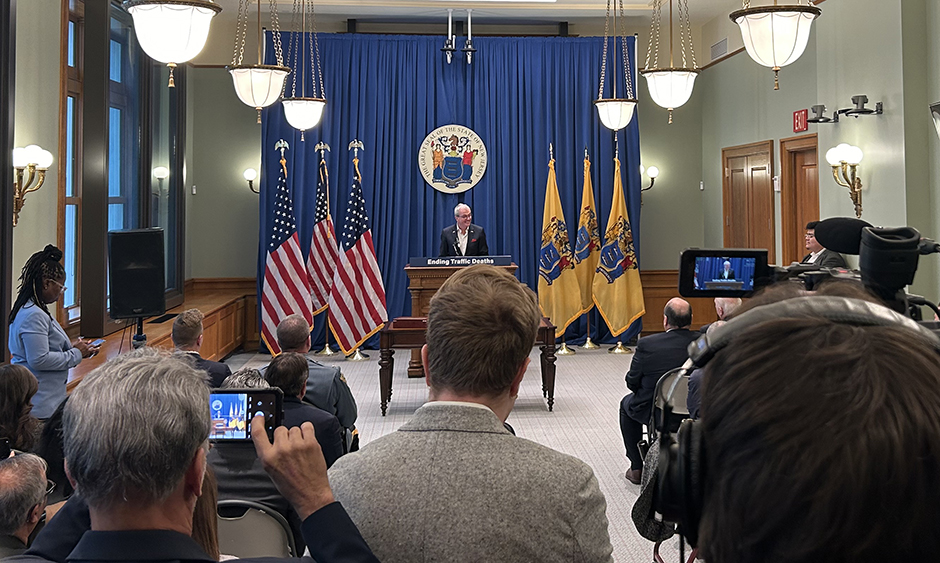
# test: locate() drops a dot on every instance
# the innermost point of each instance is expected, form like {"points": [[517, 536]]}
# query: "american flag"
{"points": [[286, 290], [357, 302], [321, 261]]}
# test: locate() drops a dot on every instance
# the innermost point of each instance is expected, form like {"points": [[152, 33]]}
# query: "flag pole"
{"points": [[619, 348], [563, 350], [322, 147], [355, 145], [589, 344]]}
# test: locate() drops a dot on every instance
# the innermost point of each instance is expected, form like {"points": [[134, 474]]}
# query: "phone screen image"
{"points": [[724, 272], [231, 412]]}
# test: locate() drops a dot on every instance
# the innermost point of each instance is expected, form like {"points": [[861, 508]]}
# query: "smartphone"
{"points": [[98, 342], [231, 411], [721, 272]]}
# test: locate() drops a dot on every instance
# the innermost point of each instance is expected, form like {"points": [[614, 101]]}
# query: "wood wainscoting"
{"points": [[659, 286], [231, 322]]}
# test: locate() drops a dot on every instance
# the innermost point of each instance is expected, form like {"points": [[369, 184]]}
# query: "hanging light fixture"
{"points": [[172, 31], [304, 112], [670, 87], [258, 85], [775, 36], [616, 113]]}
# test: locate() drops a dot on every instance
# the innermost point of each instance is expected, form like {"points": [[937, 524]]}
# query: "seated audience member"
{"points": [[824, 452], [50, 449], [452, 484], [326, 387], [139, 475], [288, 372], [238, 471], [22, 501], [819, 255], [206, 519], [654, 356], [694, 399], [17, 424], [187, 337], [724, 307]]}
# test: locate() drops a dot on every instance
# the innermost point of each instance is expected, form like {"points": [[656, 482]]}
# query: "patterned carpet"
{"points": [[584, 423]]}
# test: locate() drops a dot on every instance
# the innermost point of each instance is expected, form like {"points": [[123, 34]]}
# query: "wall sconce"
{"points": [[33, 161], [819, 110], [250, 175], [161, 173], [935, 113], [844, 159], [653, 173]]}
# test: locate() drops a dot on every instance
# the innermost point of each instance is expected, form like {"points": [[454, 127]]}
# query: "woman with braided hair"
{"points": [[36, 339]]}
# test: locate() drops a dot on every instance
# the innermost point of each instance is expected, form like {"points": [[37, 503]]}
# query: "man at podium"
{"points": [[464, 238]]}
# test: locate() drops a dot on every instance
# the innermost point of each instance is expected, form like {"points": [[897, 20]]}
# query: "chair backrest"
{"points": [[259, 532], [678, 386]]}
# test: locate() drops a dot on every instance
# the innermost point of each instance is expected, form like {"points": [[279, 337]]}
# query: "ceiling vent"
{"points": [[719, 49]]}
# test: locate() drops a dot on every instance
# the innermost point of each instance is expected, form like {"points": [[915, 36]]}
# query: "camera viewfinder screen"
{"points": [[718, 272], [229, 420]]}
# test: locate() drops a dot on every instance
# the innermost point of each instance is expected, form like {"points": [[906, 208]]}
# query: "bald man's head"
{"points": [[678, 313]]}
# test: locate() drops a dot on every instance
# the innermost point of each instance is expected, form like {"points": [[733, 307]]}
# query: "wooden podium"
{"points": [[423, 283]]}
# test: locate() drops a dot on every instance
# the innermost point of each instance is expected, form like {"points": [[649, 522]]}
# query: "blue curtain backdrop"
{"points": [[519, 95]]}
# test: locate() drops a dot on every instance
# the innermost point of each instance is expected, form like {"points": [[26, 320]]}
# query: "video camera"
{"points": [[887, 263]]}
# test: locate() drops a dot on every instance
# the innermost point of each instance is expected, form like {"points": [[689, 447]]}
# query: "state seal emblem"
{"points": [[452, 159]]}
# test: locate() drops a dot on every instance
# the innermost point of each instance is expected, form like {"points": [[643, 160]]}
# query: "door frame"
{"points": [[757, 148], [788, 198]]}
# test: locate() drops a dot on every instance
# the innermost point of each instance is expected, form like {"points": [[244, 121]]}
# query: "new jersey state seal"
{"points": [[452, 159]]}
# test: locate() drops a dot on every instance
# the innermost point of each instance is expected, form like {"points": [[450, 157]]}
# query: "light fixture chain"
{"points": [[688, 31], [600, 92], [316, 48], [241, 27], [658, 16], [313, 71], [627, 79], [685, 63], [276, 25], [654, 41], [293, 48]]}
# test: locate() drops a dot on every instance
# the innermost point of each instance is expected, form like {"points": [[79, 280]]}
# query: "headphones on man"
{"points": [[679, 493]]}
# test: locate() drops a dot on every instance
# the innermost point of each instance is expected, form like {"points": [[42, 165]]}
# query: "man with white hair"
{"points": [[464, 238], [136, 435], [22, 501]]}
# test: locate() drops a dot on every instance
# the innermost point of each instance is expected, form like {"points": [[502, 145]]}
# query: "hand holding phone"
{"points": [[231, 411]]}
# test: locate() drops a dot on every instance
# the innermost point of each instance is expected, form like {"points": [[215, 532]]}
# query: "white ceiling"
{"points": [[484, 11]]}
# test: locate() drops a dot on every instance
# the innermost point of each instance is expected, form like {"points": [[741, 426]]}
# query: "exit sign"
{"points": [[799, 121]]}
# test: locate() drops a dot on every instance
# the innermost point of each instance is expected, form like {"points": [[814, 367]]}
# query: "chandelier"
{"points": [[257, 85], [670, 87], [303, 112], [616, 113], [775, 36], [172, 31]]}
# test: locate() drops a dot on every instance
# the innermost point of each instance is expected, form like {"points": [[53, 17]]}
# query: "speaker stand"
{"points": [[140, 339]]}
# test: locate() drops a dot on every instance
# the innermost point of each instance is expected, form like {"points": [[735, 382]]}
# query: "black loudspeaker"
{"points": [[137, 273]]}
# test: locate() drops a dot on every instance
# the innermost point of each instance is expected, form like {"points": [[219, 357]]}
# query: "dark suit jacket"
{"points": [[828, 259], [217, 370], [654, 356], [694, 400], [327, 427], [330, 534], [476, 242], [722, 275]]}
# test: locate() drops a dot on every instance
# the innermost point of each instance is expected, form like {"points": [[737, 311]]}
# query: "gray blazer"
{"points": [[454, 485]]}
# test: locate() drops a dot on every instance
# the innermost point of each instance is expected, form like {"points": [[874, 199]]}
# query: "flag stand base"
{"points": [[357, 356], [589, 345], [326, 351], [619, 349], [564, 350]]}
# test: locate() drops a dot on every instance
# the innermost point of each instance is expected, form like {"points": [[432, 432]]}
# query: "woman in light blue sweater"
{"points": [[36, 339]]}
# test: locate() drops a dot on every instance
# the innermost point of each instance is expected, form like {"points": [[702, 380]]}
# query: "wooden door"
{"points": [[799, 192], [748, 197]]}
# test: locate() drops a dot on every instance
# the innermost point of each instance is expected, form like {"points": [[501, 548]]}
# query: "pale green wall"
{"points": [[932, 263], [36, 117], [222, 217]]}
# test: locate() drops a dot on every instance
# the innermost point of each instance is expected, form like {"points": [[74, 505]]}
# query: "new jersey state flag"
{"points": [[618, 293], [559, 295], [588, 243]]}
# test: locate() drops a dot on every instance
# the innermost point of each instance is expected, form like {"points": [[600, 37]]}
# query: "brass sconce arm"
{"points": [[845, 175], [22, 186]]}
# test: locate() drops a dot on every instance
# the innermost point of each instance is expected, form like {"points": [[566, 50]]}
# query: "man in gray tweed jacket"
{"points": [[453, 484]]}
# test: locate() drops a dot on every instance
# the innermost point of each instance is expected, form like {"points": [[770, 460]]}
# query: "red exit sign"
{"points": [[799, 121]]}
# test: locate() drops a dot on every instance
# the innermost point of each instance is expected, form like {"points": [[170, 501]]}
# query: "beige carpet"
{"points": [[585, 423]]}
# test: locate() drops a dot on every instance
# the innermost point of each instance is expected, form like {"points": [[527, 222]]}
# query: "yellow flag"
{"points": [[618, 293], [559, 295], [588, 243]]}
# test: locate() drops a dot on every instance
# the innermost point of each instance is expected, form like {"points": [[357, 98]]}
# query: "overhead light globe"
{"points": [[615, 113], [775, 36], [258, 86], [670, 88], [303, 113], [172, 31]]}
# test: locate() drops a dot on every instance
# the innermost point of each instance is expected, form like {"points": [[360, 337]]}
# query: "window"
{"points": [[124, 132]]}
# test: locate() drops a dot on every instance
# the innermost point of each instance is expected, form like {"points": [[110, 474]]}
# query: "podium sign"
{"points": [[459, 261]]}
